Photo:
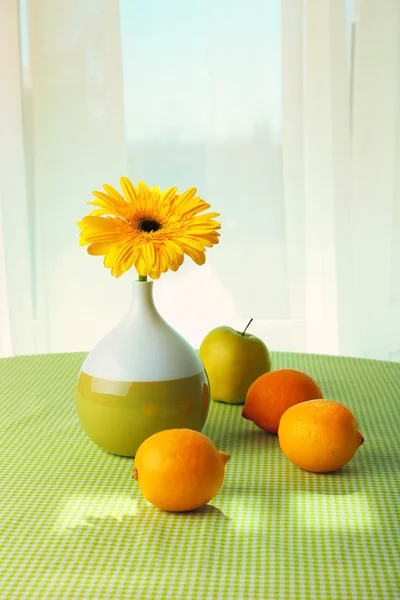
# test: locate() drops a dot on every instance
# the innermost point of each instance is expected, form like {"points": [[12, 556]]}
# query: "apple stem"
{"points": [[247, 326]]}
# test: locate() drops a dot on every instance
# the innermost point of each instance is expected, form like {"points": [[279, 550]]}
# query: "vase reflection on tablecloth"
{"points": [[141, 378]]}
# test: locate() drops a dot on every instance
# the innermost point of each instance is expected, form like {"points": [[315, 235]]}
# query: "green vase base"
{"points": [[118, 416]]}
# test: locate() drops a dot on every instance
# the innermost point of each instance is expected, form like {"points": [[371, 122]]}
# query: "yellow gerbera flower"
{"points": [[148, 229]]}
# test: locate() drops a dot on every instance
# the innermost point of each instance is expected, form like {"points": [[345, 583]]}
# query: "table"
{"points": [[73, 523]]}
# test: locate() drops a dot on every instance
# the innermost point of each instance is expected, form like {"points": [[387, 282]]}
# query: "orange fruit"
{"points": [[179, 469], [273, 393], [319, 435]]}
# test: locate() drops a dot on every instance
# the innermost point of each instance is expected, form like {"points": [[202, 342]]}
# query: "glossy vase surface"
{"points": [[141, 378]]}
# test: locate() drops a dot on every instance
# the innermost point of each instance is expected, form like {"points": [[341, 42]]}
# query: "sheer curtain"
{"points": [[341, 173], [5, 333], [16, 319], [288, 126], [375, 183]]}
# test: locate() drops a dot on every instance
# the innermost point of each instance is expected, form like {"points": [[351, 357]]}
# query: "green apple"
{"points": [[233, 360]]}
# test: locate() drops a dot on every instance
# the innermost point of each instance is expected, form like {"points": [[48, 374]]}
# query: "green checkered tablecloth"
{"points": [[73, 523]]}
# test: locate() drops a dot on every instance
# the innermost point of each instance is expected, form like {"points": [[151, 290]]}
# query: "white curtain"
{"points": [[341, 173], [375, 183], [288, 125], [16, 322], [5, 333]]}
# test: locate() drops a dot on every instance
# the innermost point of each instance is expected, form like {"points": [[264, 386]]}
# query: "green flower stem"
{"points": [[142, 278]]}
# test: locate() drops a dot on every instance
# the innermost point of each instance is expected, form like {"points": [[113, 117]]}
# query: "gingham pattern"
{"points": [[73, 523]]}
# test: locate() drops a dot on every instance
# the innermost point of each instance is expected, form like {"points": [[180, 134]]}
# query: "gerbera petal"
{"points": [[202, 223], [206, 242], [129, 191], [186, 196], [175, 265], [186, 241], [126, 253], [168, 255], [105, 224], [197, 206], [154, 274], [143, 189], [94, 237], [140, 264], [155, 198], [103, 199], [148, 254], [156, 262], [118, 253], [211, 237], [169, 194], [112, 206], [99, 211], [117, 271], [207, 216], [114, 194], [198, 257], [175, 246], [99, 248]]}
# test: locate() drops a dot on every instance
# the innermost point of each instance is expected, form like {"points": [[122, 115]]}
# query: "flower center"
{"points": [[149, 225]]}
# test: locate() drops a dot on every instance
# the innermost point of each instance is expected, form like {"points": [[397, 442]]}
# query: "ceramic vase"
{"points": [[141, 378]]}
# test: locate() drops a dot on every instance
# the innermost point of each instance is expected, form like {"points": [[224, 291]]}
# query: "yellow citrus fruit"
{"points": [[179, 469], [319, 435], [273, 393]]}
